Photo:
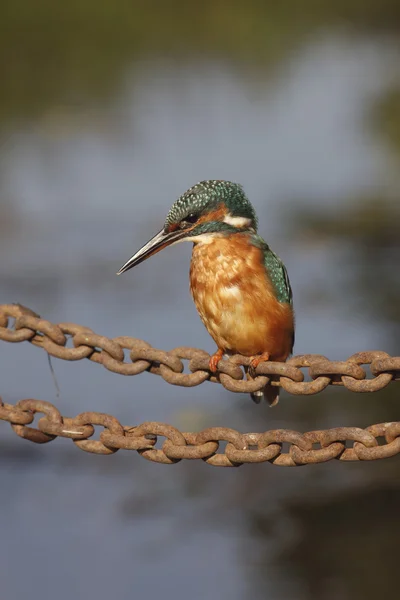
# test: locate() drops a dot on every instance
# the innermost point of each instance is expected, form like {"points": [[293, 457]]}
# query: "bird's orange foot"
{"points": [[255, 361], [214, 360]]}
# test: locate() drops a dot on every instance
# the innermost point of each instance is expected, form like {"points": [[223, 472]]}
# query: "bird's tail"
{"points": [[270, 393]]}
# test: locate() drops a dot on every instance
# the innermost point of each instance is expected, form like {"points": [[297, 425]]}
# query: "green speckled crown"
{"points": [[206, 196]]}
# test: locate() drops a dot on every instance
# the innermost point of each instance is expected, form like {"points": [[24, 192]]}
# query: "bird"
{"points": [[240, 287]]}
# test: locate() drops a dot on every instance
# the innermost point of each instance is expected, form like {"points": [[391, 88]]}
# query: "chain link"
{"points": [[19, 324], [341, 443]]}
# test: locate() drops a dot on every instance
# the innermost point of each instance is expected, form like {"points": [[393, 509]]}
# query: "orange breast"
{"points": [[236, 300]]}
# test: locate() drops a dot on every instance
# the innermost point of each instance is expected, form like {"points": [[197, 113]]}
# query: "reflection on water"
{"points": [[81, 192]]}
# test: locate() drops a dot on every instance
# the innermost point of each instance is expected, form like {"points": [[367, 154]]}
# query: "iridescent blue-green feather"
{"points": [[278, 274], [276, 271]]}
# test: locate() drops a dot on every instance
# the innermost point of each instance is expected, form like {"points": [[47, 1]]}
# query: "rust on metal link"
{"points": [[340, 443], [19, 324]]}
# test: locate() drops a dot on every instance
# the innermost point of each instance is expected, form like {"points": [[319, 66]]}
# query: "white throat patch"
{"points": [[205, 238]]}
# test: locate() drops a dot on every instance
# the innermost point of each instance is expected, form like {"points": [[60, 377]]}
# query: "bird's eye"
{"points": [[192, 218]]}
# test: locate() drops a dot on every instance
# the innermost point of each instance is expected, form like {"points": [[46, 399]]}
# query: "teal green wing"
{"points": [[276, 270], [278, 274]]}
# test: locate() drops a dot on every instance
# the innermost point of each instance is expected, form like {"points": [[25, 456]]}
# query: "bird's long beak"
{"points": [[157, 243]]}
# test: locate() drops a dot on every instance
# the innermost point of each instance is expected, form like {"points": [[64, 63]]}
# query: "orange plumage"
{"points": [[236, 300]]}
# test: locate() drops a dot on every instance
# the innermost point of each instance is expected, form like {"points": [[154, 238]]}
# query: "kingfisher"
{"points": [[240, 287]]}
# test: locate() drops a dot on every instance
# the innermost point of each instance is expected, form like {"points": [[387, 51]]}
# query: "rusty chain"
{"points": [[342, 443], [19, 324], [28, 326]]}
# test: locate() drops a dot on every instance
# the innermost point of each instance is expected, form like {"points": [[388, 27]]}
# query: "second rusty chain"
{"points": [[28, 326], [339, 443]]}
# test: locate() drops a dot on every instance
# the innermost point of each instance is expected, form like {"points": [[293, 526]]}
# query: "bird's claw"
{"points": [[255, 361], [214, 360]]}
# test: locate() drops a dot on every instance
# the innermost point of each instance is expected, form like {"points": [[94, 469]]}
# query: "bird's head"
{"points": [[207, 210]]}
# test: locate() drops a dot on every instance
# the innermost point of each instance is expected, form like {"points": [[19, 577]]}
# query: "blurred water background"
{"points": [[108, 112]]}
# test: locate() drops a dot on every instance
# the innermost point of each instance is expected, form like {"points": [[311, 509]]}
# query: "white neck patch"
{"points": [[239, 222], [203, 238]]}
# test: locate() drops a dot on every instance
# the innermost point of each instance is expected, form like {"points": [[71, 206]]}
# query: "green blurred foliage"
{"points": [[77, 52]]}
